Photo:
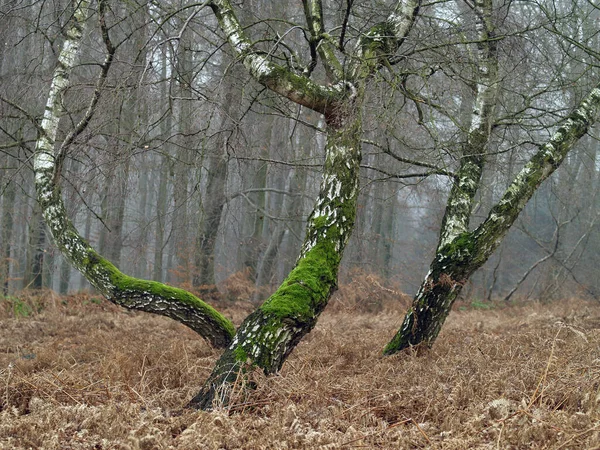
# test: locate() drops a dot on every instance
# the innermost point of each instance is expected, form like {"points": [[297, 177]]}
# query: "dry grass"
{"points": [[81, 374]]}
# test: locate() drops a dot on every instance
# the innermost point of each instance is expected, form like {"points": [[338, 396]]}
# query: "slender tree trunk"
{"points": [[182, 251], [6, 228], [161, 215], [65, 277], [34, 258], [209, 224], [215, 192], [141, 251], [450, 270], [256, 219], [264, 271]]}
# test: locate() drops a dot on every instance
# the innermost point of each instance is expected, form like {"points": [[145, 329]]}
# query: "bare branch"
{"points": [[435, 169], [279, 79]]}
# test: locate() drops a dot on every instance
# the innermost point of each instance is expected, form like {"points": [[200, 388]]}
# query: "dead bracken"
{"points": [[78, 373]]}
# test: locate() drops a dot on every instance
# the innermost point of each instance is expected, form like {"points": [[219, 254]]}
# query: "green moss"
{"points": [[303, 293], [462, 245], [402, 339], [381, 38], [240, 354], [306, 91], [319, 222], [127, 287]]}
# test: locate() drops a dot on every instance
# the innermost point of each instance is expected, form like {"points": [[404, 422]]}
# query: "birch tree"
{"points": [[267, 336], [332, 79], [462, 250], [102, 274]]}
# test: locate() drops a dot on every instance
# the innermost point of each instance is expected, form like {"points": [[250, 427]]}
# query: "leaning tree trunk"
{"points": [[119, 288], [438, 290], [269, 334], [459, 258]]}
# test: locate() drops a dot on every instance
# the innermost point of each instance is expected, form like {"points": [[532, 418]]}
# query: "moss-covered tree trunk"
{"points": [[269, 334], [102, 274], [457, 259]]}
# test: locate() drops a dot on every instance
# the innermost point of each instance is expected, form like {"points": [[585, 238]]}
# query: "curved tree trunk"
{"points": [[268, 335], [119, 288]]}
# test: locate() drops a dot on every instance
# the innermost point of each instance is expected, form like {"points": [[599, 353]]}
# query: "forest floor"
{"points": [[79, 373]]}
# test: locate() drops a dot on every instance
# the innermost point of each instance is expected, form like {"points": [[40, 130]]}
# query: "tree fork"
{"points": [[268, 335], [457, 260]]}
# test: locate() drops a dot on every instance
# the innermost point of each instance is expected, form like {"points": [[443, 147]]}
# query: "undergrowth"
{"points": [[78, 373]]}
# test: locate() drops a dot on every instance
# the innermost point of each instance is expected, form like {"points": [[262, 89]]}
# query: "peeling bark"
{"points": [[117, 287]]}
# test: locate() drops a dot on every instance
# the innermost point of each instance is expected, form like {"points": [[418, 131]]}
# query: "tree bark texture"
{"points": [[269, 334]]}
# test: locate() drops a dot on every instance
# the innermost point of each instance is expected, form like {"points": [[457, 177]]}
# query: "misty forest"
{"points": [[181, 158]]}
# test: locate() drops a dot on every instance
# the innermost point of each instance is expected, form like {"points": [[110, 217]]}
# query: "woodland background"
{"points": [[192, 174]]}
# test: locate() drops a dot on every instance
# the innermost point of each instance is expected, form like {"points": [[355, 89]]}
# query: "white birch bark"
{"points": [[117, 287], [268, 335], [457, 261]]}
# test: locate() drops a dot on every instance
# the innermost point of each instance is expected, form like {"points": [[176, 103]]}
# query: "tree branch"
{"points": [[382, 41], [435, 169], [279, 79], [462, 195], [546, 160], [87, 117], [313, 10]]}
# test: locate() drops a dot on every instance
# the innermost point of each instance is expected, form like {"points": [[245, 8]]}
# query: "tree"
{"points": [[269, 334], [119, 288], [461, 251]]}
